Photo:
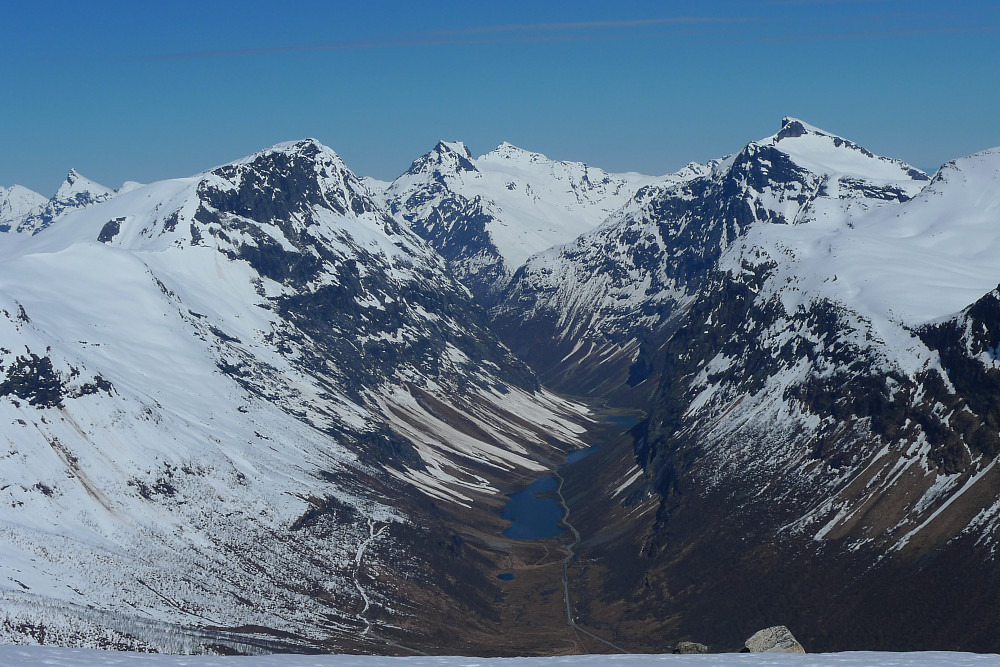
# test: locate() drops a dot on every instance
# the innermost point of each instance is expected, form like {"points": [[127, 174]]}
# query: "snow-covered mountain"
{"points": [[76, 192], [243, 409], [16, 202], [487, 215], [823, 439], [257, 409], [608, 298]]}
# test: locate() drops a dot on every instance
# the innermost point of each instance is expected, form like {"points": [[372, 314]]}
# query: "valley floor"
{"points": [[30, 656]]}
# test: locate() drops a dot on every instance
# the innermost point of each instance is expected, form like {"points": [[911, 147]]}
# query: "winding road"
{"points": [[570, 555]]}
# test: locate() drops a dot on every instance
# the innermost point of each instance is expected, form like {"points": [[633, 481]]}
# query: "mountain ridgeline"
{"points": [[282, 404]]}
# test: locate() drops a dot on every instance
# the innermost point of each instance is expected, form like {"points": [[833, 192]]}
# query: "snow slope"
{"points": [[17, 202], [489, 214], [915, 262], [228, 397], [59, 657]]}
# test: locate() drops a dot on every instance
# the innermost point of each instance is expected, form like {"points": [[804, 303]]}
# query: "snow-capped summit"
{"points": [[487, 215], [458, 147], [447, 157], [910, 262], [15, 203], [76, 192], [606, 293], [823, 152], [128, 186], [508, 151], [375, 186], [77, 186]]}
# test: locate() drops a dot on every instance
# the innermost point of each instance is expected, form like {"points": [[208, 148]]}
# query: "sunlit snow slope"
{"points": [[15, 203], [233, 403], [487, 215]]}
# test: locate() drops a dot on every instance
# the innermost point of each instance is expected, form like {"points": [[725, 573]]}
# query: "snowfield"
{"points": [[29, 656], [177, 451]]}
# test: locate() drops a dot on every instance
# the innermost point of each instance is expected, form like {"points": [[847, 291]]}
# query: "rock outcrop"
{"points": [[690, 647], [776, 639]]}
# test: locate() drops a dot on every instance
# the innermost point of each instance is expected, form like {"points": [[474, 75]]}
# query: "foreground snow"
{"points": [[23, 656]]}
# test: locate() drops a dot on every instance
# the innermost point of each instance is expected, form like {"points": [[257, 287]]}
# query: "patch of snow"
{"points": [[30, 656]]}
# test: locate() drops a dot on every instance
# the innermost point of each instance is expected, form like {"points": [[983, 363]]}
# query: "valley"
{"points": [[504, 405]]}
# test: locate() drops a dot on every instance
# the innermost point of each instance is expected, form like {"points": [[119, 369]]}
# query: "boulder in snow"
{"points": [[776, 639]]}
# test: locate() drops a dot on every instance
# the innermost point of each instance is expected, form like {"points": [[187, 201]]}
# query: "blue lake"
{"points": [[533, 517], [536, 517]]}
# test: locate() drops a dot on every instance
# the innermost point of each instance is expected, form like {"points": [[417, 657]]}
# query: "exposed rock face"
{"points": [[776, 639]]}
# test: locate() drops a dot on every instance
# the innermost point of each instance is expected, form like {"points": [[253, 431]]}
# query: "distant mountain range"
{"points": [[271, 404]]}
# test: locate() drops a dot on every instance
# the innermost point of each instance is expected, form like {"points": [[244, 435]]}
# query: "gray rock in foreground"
{"points": [[690, 647], [776, 639]]}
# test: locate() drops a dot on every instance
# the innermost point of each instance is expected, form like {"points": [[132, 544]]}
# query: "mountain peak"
{"points": [[454, 147], [823, 152], [509, 151], [21, 192], [77, 184], [445, 157], [793, 127], [308, 148], [18, 201]]}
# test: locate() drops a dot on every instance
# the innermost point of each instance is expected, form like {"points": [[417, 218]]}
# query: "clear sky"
{"points": [[150, 90]]}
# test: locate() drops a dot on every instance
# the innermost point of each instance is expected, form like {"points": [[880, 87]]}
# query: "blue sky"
{"points": [[152, 90]]}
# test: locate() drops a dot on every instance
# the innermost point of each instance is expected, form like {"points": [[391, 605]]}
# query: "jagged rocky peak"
{"points": [[310, 153], [446, 157], [454, 146], [289, 180], [793, 127], [77, 186], [76, 192]]}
